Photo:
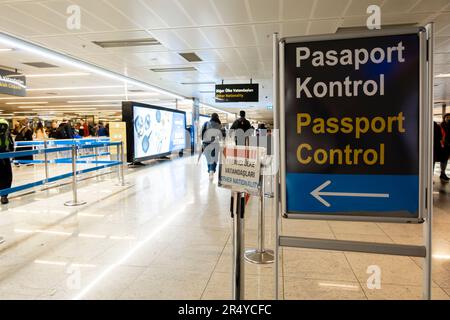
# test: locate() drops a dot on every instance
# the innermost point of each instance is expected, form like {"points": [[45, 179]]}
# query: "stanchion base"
{"points": [[256, 257], [2, 240], [75, 204]]}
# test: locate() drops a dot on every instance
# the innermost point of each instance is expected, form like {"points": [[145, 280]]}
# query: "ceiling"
{"points": [[233, 38]]}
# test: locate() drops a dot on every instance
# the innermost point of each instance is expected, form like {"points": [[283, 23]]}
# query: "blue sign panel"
{"points": [[351, 128]]}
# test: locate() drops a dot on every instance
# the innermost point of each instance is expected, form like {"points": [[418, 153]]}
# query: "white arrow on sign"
{"points": [[318, 194]]}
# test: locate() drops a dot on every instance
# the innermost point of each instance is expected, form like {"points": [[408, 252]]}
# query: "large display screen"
{"points": [[156, 131]]}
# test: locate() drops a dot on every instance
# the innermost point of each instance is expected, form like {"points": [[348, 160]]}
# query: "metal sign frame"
{"points": [[425, 166], [424, 127]]}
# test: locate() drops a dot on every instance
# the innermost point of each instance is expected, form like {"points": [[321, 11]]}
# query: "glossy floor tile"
{"points": [[167, 234]]}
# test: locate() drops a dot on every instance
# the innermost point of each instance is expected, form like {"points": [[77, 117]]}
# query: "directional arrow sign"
{"points": [[318, 194]]}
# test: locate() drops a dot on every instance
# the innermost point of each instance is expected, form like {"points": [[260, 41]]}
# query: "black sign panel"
{"points": [[12, 84], [237, 93], [352, 115]]}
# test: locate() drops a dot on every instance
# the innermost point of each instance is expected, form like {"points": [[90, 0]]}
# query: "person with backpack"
{"points": [[6, 145], [211, 136], [445, 143], [241, 124], [64, 131], [24, 134]]}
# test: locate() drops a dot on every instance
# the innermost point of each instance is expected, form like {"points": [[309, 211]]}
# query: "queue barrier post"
{"points": [[75, 202], [122, 164], [238, 214], [260, 255]]}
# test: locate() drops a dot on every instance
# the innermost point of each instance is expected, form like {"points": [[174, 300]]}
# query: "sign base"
{"points": [[259, 257]]}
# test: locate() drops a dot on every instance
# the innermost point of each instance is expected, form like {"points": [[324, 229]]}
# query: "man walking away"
{"points": [[241, 124], [211, 135]]}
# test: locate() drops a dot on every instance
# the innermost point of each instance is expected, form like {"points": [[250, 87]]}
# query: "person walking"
{"points": [[211, 136], [6, 145], [242, 124], [445, 143]]}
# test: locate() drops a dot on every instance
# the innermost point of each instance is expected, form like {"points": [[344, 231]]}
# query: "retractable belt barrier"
{"points": [[73, 145]]}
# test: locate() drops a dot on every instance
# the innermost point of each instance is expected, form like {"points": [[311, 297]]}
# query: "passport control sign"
{"points": [[351, 117]]}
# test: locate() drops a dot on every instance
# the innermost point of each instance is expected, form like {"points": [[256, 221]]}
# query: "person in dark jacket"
{"points": [[24, 134], [211, 136], [445, 147], [6, 145], [242, 124]]}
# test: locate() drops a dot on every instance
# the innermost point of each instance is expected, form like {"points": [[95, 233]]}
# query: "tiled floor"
{"points": [[167, 235]]}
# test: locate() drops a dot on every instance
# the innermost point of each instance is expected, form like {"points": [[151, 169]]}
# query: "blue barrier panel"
{"points": [[56, 178]]}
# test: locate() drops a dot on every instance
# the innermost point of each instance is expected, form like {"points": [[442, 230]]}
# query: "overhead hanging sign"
{"points": [[240, 168], [12, 83], [351, 113], [237, 93]]}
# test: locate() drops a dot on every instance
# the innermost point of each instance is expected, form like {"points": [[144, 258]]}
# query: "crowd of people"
{"points": [[24, 130]]}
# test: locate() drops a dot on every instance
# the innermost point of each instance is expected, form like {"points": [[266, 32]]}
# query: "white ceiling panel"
{"points": [[359, 7], [292, 29], [209, 55], [229, 54], [442, 24], [295, 9], [323, 27], [140, 13], [232, 11], [206, 16], [107, 13], [249, 54], [39, 26], [330, 9], [395, 6], [242, 35], [218, 37], [169, 12], [264, 10], [194, 37], [431, 5], [264, 33], [88, 21], [170, 39]]}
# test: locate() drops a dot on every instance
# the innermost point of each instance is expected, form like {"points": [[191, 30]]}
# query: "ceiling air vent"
{"points": [[127, 43], [180, 69], [136, 90], [191, 56], [41, 65]]}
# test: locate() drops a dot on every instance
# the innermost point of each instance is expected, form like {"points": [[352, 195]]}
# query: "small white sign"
{"points": [[241, 168]]}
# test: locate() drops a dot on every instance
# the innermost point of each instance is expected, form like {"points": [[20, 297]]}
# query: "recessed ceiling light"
{"points": [[21, 103], [83, 96], [75, 88], [198, 83], [6, 50], [41, 65], [128, 43], [443, 75], [178, 69], [56, 75]]}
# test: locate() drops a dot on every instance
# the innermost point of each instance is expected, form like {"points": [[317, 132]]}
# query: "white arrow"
{"points": [[318, 194]]}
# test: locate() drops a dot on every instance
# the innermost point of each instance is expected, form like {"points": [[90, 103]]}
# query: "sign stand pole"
{"points": [[260, 255], [238, 213], [276, 158], [428, 225]]}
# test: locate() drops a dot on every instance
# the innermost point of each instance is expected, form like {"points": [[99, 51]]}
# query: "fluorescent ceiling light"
{"points": [[69, 106], [20, 103], [112, 101], [82, 96], [443, 75], [56, 75], [75, 88], [56, 57], [6, 50]]}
